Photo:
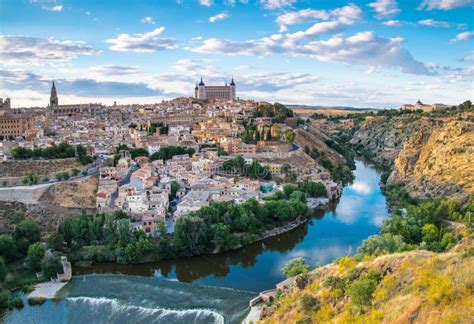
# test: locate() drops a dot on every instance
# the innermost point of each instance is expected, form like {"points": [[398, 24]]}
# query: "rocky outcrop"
{"points": [[438, 163], [381, 138]]}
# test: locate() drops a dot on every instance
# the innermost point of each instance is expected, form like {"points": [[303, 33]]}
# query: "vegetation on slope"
{"points": [[399, 275]]}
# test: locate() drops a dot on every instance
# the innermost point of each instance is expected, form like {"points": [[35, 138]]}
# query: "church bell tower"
{"points": [[53, 99]]}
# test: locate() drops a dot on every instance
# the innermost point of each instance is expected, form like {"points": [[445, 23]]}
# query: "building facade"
{"points": [[225, 92], [12, 121], [55, 109]]}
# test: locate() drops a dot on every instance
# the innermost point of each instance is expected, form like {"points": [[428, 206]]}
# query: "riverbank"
{"points": [[46, 290], [270, 233]]}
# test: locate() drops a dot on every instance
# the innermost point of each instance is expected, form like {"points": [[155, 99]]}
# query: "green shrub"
{"points": [[295, 267], [309, 303]]}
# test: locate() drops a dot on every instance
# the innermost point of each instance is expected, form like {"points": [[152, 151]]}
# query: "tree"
{"points": [[25, 233], [295, 267], [35, 255], [223, 237], [174, 189], [7, 248], [3, 269], [430, 233], [314, 189], [191, 236], [51, 265], [75, 172], [361, 291], [289, 136]]}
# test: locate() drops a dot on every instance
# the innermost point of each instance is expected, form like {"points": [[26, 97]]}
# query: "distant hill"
{"points": [[307, 107]]}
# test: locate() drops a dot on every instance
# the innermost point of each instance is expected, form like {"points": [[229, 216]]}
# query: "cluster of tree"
{"points": [[60, 151], [254, 170], [421, 223], [300, 192], [162, 129], [167, 152], [82, 155], [277, 111], [339, 143], [223, 226], [21, 248], [220, 226]]}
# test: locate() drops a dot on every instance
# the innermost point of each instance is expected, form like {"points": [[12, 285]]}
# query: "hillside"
{"points": [[439, 163], [411, 287], [432, 155]]}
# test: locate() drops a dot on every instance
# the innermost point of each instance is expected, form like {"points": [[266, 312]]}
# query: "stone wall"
{"points": [[26, 195]]}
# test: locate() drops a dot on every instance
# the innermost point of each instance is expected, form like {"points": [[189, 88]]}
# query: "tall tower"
{"points": [[232, 89], [53, 99], [202, 90], [196, 93]]}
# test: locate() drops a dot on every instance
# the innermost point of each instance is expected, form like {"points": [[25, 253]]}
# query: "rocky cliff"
{"points": [[438, 162], [433, 156]]}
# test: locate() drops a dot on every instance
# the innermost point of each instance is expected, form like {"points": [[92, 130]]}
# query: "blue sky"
{"points": [[375, 53]]}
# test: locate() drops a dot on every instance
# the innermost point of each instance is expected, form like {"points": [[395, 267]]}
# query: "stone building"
{"points": [[13, 122], [226, 92], [55, 109]]}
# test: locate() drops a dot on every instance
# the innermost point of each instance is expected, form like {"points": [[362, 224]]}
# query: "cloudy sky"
{"points": [[376, 53]]}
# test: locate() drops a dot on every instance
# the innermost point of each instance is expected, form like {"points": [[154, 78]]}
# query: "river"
{"points": [[215, 288]]}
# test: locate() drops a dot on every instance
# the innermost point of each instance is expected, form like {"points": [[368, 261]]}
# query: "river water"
{"points": [[216, 288]]}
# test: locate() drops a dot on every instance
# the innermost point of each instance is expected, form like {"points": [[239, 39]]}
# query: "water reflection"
{"points": [[330, 234]]}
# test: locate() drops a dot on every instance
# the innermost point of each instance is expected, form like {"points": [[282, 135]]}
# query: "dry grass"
{"points": [[417, 287]]}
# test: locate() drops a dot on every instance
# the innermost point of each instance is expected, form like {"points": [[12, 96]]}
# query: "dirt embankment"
{"points": [[40, 167], [60, 200], [72, 194]]}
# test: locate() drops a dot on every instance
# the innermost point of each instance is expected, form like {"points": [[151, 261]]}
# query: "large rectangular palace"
{"points": [[225, 92]]}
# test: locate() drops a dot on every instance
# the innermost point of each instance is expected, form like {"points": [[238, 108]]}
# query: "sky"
{"points": [[375, 53]]}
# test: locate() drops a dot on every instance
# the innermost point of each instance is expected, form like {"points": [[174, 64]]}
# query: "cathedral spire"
{"points": [[53, 99]]}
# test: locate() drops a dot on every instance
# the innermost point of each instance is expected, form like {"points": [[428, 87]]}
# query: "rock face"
{"points": [[438, 163], [382, 137], [433, 156]]}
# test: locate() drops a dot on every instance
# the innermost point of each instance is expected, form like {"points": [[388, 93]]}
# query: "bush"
{"points": [[295, 267], [26, 233], [334, 282], [361, 290], [309, 303], [51, 266], [35, 255]]}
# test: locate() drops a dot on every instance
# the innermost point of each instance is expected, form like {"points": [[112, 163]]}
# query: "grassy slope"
{"points": [[417, 287]]}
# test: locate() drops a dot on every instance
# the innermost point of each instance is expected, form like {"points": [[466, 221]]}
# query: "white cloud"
{"points": [[31, 50], [53, 8], [463, 36], [346, 15], [394, 23], [443, 4], [276, 4], [434, 23], [233, 2], [206, 3], [143, 43], [113, 70], [148, 20], [384, 8], [468, 58], [218, 17], [364, 48]]}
